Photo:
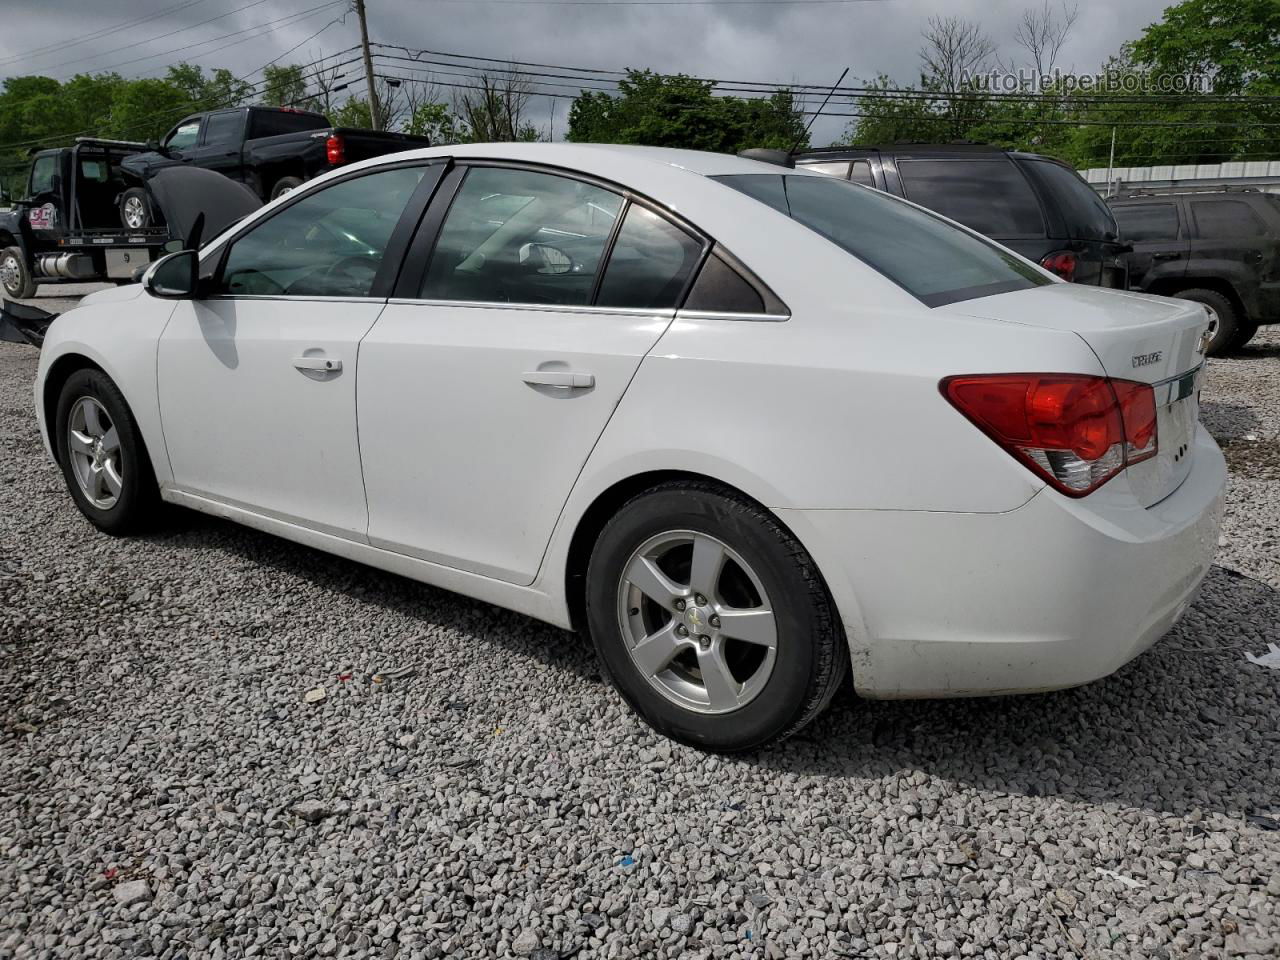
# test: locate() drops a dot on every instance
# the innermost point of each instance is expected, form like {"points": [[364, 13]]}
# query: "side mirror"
{"points": [[174, 277]]}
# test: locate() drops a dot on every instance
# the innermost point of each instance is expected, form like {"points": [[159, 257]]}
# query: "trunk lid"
{"points": [[1137, 337]]}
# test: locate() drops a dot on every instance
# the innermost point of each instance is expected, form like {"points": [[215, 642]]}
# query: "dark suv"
{"points": [[1219, 248], [1035, 205]]}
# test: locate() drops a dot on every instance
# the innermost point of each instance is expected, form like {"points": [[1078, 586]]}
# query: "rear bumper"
{"points": [[1053, 594]]}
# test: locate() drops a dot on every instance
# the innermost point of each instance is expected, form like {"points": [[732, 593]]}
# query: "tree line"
{"points": [[962, 92]]}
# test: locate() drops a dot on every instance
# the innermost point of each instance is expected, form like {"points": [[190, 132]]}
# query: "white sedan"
{"points": [[750, 428]]}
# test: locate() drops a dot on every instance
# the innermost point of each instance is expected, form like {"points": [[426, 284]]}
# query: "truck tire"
{"points": [[1223, 317], [1245, 332], [135, 209], [15, 275], [284, 185]]}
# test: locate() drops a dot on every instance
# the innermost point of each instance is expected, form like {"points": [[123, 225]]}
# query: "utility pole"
{"points": [[374, 110]]}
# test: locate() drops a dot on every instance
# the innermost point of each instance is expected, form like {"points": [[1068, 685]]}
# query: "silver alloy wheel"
{"points": [[1213, 321], [93, 446], [11, 273], [135, 213], [697, 622]]}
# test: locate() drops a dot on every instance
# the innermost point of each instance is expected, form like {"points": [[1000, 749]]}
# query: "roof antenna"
{"points": [[796, 146], [787, 158]]}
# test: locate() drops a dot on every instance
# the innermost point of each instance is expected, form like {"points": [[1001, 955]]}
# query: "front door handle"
{"points": [[323, 364], [565, 379], [1166, 256]]}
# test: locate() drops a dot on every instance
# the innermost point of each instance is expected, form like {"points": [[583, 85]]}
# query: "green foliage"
{"points": [[1233, 43], [353, 113], [681, 111], [436, 121], [284, 85]]}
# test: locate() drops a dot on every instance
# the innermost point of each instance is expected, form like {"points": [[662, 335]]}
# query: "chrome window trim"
{"points": [[659, 313], [287, 298], [728, 315]]}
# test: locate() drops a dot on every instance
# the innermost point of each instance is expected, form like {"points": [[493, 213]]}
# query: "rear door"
{"points": [[1160, 244], [526, 304], [1229, 239]]}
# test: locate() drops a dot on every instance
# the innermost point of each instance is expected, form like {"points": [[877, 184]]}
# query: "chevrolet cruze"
{"points": [[751, 429]]}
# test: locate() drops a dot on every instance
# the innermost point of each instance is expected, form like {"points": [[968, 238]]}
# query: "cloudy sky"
{"points": [[797, 42]]}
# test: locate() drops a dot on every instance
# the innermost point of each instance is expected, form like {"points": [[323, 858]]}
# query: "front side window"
{"points": [[42, 172], [519, 236], [186, 135], [933, 260], [328, 243], [990, 196], [1147, 221], [650, 262], [1226, 220]]}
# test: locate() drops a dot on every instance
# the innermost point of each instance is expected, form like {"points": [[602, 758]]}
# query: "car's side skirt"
{"points": [[525, 600]]}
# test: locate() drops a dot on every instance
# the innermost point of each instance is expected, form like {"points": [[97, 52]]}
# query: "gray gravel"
{"points": [[468, 786]]}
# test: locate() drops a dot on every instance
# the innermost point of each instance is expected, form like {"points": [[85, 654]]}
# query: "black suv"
{"points": [[1219, 248], [1035, 205]]}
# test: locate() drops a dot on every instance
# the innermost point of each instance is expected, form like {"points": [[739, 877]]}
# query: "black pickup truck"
{"points": [[269, 149]]}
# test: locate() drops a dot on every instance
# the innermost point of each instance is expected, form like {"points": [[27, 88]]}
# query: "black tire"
{"points": [[1244, 333], [17, 279], [284, 185], [135, 204], [812, 656], [137, 506], [1228, 320]]}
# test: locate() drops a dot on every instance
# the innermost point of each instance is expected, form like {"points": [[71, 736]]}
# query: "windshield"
{"points": [[931, 259]]}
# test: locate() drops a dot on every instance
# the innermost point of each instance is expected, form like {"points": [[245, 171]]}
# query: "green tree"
{"points": [[1235, 43], [284, 85], [436, 122], [682, 111]]}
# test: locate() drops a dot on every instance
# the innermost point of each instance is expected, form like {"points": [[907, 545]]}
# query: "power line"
{"points": [[36, 52]]}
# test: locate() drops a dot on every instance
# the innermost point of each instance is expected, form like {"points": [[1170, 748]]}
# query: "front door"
{"points": [[485, 384], [257, 381]]}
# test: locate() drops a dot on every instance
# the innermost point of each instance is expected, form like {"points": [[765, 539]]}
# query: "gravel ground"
{"points": [[469, 787]]}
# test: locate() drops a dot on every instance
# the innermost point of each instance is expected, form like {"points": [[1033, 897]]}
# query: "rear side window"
{"points": [[1084, 213], [931, 259], [1226, 220], [223, 128], [1147, 221], [990, 196], [650, 264], [271, 123], [722, 289], [861, 173]]}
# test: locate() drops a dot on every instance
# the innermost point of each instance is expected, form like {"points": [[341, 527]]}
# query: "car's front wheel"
{"points": [[103, 458], [711, 619]]}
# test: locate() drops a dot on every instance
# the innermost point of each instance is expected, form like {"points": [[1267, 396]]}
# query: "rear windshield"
{"points": [[990, 196], [933, 260], [270, 123], [1084, 213]]}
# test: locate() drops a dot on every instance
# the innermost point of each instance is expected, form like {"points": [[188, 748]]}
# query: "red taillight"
{"points": [[336, 150], [1076, 431], [1063, 264]]}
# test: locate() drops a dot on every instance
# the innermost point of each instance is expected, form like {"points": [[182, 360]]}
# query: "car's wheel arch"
{"points": [[591, 520], [1172, 286]]}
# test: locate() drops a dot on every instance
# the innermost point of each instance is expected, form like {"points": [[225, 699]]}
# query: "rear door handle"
{"points": [[323, 364], [566, 379]]}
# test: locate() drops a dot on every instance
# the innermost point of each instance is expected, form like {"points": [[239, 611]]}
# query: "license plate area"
{"points": [[1177, 417]]}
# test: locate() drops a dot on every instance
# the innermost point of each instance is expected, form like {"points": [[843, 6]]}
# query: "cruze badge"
{"points": [[1146, 359]]}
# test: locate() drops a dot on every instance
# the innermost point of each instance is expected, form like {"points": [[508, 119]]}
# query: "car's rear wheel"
{"points": [[102, 455], [711, 619], [1223, 321], [14, 275]]}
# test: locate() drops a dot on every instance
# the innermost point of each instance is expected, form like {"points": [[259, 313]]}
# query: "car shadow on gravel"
{"points": [[1190, 724], [1229, 421]]}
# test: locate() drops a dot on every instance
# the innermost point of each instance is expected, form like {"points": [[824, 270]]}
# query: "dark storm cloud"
{"points": [[768, 42]]}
